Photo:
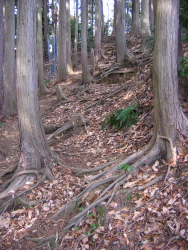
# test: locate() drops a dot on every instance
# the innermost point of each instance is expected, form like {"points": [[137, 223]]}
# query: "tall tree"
{"points": [[86, 77], [41, 83], [76, 37], [145, 21], [135, 17], [9, 102], [171, 122], [68, 37], [121, 48], [46, 28], [1, 53], [35, 153], [151, 14], [62, 58], [98, 30]]}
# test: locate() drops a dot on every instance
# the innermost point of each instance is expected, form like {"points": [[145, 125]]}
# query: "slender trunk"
{"points": [[86, 77], [46, 30], [135, 18], [41, 83], [62, 61], [9, 103], [151, 14], [68, 38], [76, 38], [121, 48], [145, 21], [98, 17]]}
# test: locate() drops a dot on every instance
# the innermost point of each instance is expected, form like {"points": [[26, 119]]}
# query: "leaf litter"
{"points": [[139, 217]]}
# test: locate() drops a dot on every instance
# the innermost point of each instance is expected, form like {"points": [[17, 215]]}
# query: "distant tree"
{"points": [[145, 24], [121, 47], [68, 38], [9, 102], [1, 53], [62, 58], [41, 83], [98, 30], [35, 155], [76, 37], [151, 14], [86, 77], [135, 17], [46, 28]]}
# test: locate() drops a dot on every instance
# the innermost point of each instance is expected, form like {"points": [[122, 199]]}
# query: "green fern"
{"points": [[122, 118]]}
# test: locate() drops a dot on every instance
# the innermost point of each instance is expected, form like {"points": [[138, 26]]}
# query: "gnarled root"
{"points": [[148, 155]]}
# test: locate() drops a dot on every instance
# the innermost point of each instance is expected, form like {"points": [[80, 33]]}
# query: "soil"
{"points": [[155, 218]]}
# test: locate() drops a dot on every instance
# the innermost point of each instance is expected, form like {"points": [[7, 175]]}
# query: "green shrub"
{"points": [[183, 68], [122, 118]]}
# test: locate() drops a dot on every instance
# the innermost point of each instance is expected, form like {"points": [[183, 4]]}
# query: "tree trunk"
{"points": [[46, 30], [1, 53], [102, 21], [98, 17], [135, 17], [171, 123], [68, 38], [9, 102], [145, 21], [35, 152], [121, 48], [41, 83], [151, 15], [86, 77], [76, 38], [62, 59]]}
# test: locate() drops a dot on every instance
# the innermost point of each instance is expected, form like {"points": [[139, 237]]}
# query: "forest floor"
{"points": [[155, 217]]}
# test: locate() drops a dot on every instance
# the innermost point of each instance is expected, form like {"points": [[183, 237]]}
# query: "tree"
{"points": [[135, 17], [98, 30], [41, 83], [151, 14], [171, 125], [35, 155], [86, 77], [1, 53], [46, 28], [145, 24], [62, 58], [121, 48], [76, 37], [68, 37], [9, 100]]}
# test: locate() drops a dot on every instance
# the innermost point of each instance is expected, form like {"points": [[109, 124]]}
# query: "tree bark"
{"points": [[121, 48], [98, 17], [35, 152], [145, 21], [41, 83], [86, 77], [9, 102], [68, 38], [76, 37], [46, 29], [62, 58], [151, 15], [135, 17], [1, 53], [171, 122]]}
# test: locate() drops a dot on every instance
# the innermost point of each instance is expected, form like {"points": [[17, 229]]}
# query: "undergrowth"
{"points": [[122, 118]]}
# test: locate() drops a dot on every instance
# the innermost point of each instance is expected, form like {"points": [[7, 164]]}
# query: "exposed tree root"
{"points": [[9, 170], [148, 155]]}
